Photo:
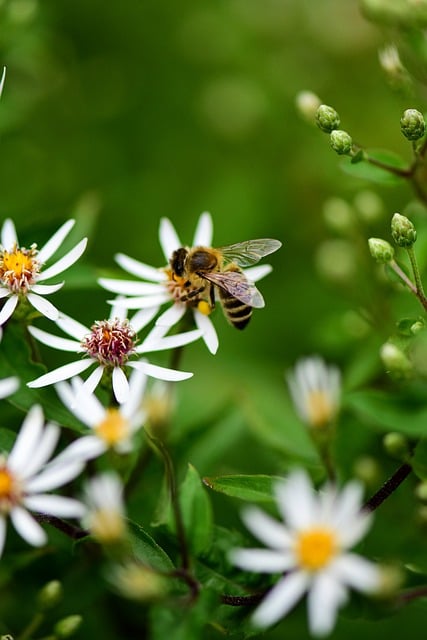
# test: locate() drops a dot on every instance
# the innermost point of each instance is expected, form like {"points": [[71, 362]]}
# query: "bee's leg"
{"points": [[212, 296], [191, 294]]}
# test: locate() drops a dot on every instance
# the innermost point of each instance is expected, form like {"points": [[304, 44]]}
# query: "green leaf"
{"points": [[147, 550], [367, 171], [196, 512], [16, 360], [387, 412], [257, 488], [7, 440]]}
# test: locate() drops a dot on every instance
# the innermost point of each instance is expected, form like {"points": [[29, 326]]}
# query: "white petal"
{"points": [[2, 533], [93, 380], [325, 596], [27, 439], [140, 269], [61, 373], [65, 262], [44, 306], [55, 475], [169, 240], [272, 533], [143, 317], [27, 527], [59, 506], [118, 312], [172, 315], [262, 560], [280, 600], [142, 302], [120, 385], [348, 503], [206, 326], [162, 373], [63, 344], [296, 500], [8, 386], [88, 409], [254, 274], [130, 287], [357, 572], [4, 292], [204, 231], [53, 244], [3, 78], [84, 448], [8, 235], [168, 342], [45, 448], [72, 327], [8, 308], [131, 409], [46, 289]]}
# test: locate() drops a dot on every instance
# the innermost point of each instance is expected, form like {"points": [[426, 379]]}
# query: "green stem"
{"points": [[415, 270], [31, 627], [416, 289]]}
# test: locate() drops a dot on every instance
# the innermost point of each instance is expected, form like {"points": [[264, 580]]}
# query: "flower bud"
{"points": [[341, 142], [381, 250], [421, 491], [307, 104], [412, 124], [68, 626], [327, 119], [395, 361], [396, 445], [403, 231], [50, 594]]}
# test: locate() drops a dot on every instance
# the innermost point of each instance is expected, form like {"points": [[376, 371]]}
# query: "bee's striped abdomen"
{"points": [[237, 313]]}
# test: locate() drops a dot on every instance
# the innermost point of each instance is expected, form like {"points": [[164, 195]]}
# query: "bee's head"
{"points": [[177, 262]]}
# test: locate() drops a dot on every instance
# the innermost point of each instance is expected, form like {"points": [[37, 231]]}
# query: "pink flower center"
{"points": [[111, 342]]}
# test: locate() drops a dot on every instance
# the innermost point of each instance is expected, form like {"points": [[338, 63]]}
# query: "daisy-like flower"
{"points": [[315, 388], [108, 345], [21, 270], [105, 516], [26, 474], [110, 428], [311, 550], [158, 286], [8, 386]]}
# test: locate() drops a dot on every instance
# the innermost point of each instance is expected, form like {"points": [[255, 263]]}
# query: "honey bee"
{"points": [[200, 270]]}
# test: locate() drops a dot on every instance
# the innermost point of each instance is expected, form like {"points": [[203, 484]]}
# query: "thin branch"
{"points": [[388, 487], [70, 530]]}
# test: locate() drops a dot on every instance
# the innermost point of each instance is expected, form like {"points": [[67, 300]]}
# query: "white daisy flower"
{"points": [[108, 345], [105, 516], [310, 550], [26, 474], [157, 286], [315, 388], [8, 386], [111, 428], [21, 270]]}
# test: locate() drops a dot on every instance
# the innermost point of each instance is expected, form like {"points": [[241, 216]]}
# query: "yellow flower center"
{"points": [[320, 408], [19, 268], [114, 428], [315, 548], [107, 525], [9, 490]]}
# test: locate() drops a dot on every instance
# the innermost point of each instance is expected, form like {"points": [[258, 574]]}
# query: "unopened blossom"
{"points": [[109, 346], [26, 475], [157, 285], [22, 270], [109, 428], [105, 516], [309, 551], [315, 388]]}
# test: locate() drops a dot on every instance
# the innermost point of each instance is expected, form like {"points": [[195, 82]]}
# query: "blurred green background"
{"points": [[120, 113]]}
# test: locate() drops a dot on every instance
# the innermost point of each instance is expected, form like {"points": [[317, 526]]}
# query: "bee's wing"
{"points": [[249, 252], [237, 285]]}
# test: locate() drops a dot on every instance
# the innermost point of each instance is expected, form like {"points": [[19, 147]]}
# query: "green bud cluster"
{"points": [[381, 250], [341, 142], [403, 231], [412, 124], [327, 119], [68, 626]]}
